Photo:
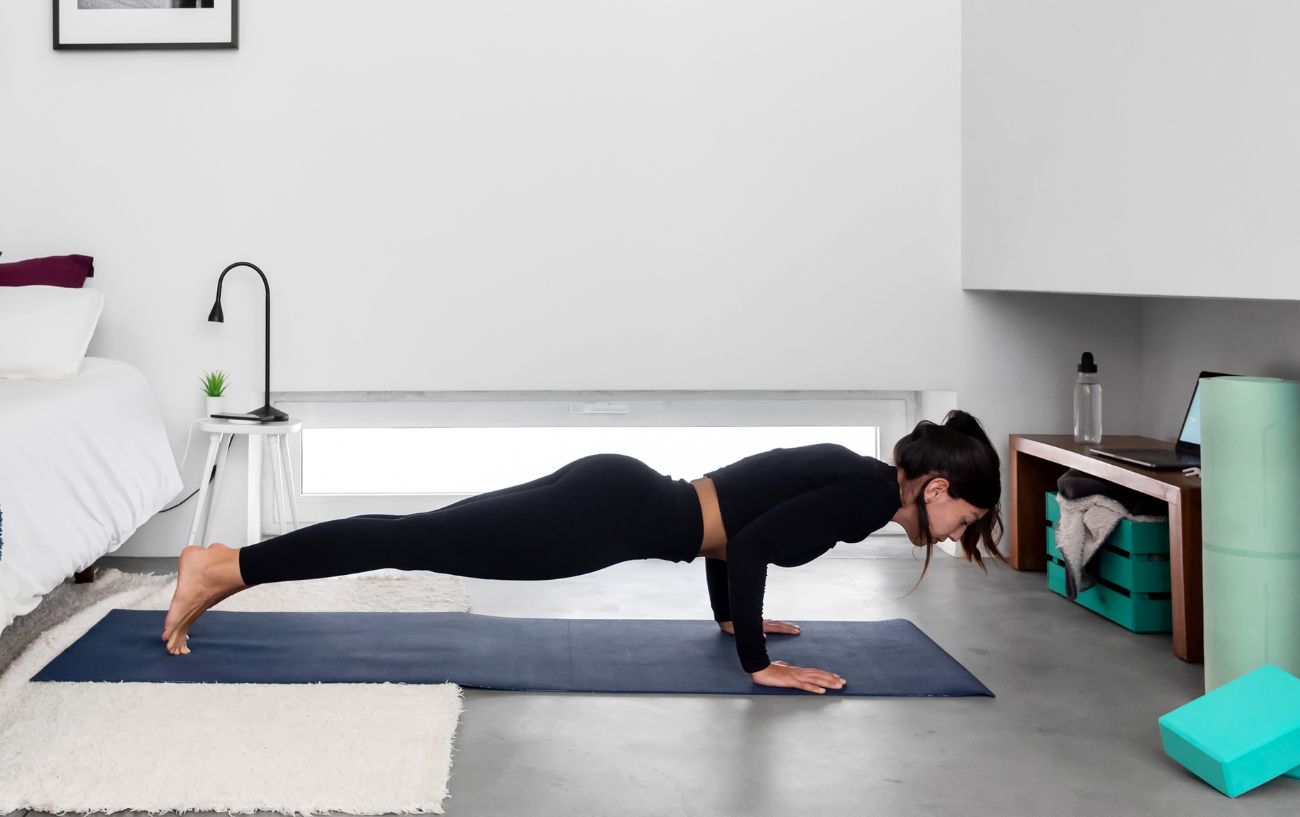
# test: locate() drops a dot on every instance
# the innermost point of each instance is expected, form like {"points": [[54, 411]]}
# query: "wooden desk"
{"points": [[1037, 460]]}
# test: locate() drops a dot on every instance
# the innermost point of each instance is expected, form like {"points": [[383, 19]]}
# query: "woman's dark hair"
{"points": [[959, 451]]}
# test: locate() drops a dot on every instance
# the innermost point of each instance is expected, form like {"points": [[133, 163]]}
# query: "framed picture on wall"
{"points": [[107, 25]]}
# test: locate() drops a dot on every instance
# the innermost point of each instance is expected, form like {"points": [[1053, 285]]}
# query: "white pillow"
{"points": [[44, 331]]}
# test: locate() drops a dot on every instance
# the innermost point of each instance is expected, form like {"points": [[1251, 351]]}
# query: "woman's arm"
{"points": [[809, 522], [715, 575]]}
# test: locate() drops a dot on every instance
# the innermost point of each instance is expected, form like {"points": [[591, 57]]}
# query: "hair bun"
{"points": [[964, 422]]}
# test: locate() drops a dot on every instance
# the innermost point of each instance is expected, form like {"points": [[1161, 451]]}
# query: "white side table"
{"points": [[275, 437]]}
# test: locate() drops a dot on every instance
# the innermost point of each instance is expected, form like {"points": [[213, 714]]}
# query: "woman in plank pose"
{"points": [[784, 507]]}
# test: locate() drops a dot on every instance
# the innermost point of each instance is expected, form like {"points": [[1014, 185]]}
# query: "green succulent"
{"points": [[214, 383]]}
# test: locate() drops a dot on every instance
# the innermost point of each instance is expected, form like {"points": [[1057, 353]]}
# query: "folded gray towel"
{"points": [[1087, 519]]}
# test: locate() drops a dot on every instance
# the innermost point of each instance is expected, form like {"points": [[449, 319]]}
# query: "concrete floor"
{"points": [[1072, 730]]}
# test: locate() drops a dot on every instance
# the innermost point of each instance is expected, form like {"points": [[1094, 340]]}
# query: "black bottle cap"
{"points": [[1086, 365]]}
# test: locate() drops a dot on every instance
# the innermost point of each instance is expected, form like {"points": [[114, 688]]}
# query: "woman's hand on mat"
{"points": [[781, 674], [770, 625]]}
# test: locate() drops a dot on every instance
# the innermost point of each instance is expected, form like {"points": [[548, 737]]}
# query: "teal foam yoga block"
{"points": [[1242, 734]]}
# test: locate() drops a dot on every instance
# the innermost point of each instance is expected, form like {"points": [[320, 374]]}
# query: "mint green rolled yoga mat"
{"points": [[1250, 505], [1250, 495]]}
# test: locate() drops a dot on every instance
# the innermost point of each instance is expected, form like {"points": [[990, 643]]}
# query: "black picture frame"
{"points": [[71, 34]]}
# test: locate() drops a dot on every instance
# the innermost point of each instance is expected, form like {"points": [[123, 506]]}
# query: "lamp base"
{"points": [[268, 414]]}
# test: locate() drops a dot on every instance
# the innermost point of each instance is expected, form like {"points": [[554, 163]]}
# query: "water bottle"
{"points": [[1087, 402]]}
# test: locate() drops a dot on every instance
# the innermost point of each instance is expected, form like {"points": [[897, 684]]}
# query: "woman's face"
{"points": [[949, 517]]}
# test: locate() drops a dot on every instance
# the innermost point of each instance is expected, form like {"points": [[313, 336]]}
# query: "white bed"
{"points": [[84, 462]]}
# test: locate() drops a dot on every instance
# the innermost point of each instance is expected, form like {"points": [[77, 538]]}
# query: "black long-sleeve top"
{"points": [[786, 507]]}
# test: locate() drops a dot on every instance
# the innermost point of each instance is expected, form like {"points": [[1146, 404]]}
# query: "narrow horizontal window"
{"points": [[406, 452]]}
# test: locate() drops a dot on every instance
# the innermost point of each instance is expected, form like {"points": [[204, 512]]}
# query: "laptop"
{"points": [[1186, 453]]}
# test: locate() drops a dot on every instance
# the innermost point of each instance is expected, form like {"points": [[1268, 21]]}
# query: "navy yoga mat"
{"points": [[566, 655]]}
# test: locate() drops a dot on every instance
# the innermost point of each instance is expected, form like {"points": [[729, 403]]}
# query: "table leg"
{"points": [[223, 449], [213, 444], [288, 485], [254, 499], [1185, 576], [277, 476], [1031, 479]]}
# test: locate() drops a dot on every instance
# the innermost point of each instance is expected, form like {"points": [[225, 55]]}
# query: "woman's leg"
{"points": [[565, 524], [579, 519], [206, 576]]}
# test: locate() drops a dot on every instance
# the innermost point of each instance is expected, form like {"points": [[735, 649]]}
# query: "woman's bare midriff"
{"points": [[714, 543]]}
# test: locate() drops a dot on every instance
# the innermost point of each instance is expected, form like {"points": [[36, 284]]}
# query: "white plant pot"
{"points": [[214, 405]]}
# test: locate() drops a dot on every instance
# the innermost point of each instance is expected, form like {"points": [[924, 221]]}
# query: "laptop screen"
{"points": [[1191, 433], [1190, 436]]}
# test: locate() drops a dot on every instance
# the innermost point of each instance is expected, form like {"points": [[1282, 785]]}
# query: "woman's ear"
{"points": [[938, 487]]}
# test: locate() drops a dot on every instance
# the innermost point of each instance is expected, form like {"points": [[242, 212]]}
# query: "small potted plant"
{"points": [[214, 389]]}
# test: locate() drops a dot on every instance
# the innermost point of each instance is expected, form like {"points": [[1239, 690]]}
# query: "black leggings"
{"points": [[592, 513]]}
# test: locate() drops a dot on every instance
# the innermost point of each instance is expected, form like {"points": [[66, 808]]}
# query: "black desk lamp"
{"points": [[266, 413]]}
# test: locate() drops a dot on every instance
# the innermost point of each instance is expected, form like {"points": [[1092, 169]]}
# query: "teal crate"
{"points": [[1135, 572], [1139, 612], [1053, 508], [1133, 588], [1145, 538]]}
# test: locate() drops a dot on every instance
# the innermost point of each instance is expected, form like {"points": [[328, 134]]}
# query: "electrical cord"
{"points": [[211, 476]]}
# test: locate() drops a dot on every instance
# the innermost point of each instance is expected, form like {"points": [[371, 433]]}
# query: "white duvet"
{"points": [[84, 462]]}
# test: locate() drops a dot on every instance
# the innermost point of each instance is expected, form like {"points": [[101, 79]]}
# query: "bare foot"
{"points": [[205, 576]]}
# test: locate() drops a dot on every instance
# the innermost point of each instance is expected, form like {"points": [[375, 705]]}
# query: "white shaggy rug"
{"points": [[289, 748]]}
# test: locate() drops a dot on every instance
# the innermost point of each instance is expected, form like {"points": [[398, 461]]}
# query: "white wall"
{"points": [[1019, 353], [1183, 337], [507, 195], [1132, 147], [485, 195]]}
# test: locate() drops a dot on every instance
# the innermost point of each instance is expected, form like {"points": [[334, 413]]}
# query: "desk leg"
{"points": [[1031, 479], [213, 444], [1185, 576]]}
